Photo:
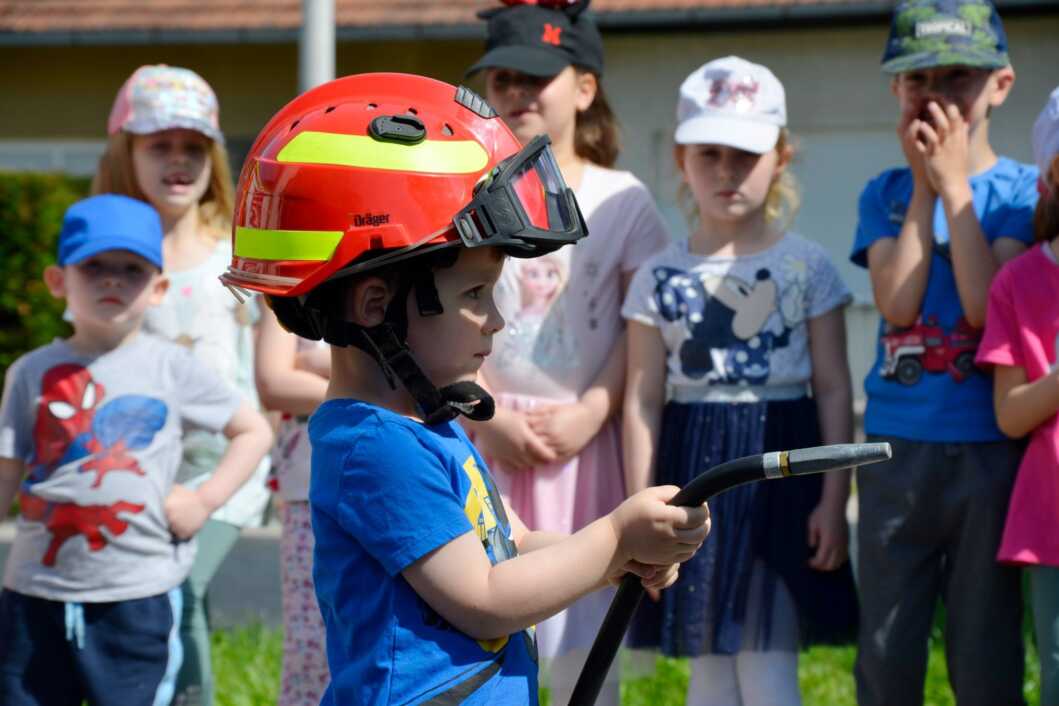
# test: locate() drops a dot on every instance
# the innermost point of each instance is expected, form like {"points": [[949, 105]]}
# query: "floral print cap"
{"points": [[160, 97]]}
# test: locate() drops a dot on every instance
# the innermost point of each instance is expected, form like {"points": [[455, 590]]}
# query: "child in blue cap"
{"points": [[933, 234], [90, 441]]}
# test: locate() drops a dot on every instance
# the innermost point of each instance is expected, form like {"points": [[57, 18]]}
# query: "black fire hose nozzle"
{"points": [[776, 464]]}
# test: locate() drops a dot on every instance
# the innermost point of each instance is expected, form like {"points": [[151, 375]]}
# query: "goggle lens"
{"points": [[539, 188]]}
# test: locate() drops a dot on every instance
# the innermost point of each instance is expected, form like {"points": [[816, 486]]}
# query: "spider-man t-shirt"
{"points": [[101, 440]]}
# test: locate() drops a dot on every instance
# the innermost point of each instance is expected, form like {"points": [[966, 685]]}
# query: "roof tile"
{"points": [[37, 16]]}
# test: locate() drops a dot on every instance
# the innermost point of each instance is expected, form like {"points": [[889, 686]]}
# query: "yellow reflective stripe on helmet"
{"points": [[429, 156], [265, 244]]}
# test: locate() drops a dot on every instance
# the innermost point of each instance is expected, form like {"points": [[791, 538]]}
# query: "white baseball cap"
{"points": [[1046, 135], [731, 102]]}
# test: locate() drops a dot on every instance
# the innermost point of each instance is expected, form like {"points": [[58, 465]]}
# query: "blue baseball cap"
{"points": [[110, 222]]}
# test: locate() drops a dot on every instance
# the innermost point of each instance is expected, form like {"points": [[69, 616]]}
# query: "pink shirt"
{"points": [[1022, 327]]}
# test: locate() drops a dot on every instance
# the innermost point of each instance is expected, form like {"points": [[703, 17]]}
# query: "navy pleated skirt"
{"points": [[758, 527]]}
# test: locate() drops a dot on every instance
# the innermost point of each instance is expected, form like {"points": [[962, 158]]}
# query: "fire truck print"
{"points": [[926, 346]]}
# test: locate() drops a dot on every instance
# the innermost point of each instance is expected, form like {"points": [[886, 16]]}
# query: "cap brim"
{"points": [[932, 59], [749, 135], [527, 60], [106, 245], [146, 127]]}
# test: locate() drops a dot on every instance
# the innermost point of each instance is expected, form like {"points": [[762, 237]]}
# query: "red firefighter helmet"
{"points": [[372, 169], [388, 164]]}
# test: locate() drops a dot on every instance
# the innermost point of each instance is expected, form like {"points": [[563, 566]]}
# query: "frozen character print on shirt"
{"points": [[73, 427], [540, 325], [926, 347], [733, 326]]}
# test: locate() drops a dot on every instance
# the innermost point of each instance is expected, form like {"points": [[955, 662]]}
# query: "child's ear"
{"points": [[678, 158], [785, 155], [367, 300], [55, 281], [1002, 81], [159, 289], [587, 87]]}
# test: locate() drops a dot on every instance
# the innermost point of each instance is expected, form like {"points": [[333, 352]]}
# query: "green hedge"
{"points": [[31, 211]]}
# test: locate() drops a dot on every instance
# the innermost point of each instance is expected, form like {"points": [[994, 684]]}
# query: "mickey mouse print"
{"points": [[736, 324]]}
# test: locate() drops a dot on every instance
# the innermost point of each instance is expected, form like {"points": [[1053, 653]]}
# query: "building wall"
{"points": [[64, 94], [839, 104]]}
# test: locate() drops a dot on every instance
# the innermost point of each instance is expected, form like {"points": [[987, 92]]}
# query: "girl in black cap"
{"points": [[557, 369]]}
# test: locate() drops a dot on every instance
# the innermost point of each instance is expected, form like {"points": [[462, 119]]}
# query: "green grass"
{"points": [[246, 667]]}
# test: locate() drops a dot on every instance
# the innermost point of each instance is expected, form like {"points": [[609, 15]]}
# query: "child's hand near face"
{"points": [[944, 143], [908, 129], [185, 511]]}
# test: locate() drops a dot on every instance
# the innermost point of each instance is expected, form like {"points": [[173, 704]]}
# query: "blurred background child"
{"points": [[740, 323], [292, 375], [557, 371], [90, 438], [1020, 341], [166, 148], [932, 235]]}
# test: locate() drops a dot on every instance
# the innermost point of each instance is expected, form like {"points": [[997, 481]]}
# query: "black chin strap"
{"points": [[438, 406], [386, 344]]}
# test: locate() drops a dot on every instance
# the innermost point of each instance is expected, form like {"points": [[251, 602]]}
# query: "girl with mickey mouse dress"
{"points": [[736, 346]]}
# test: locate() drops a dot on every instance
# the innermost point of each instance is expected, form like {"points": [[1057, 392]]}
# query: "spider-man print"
{"points": [[71, 425], [68, 399], [69, 520], [127, 422]]}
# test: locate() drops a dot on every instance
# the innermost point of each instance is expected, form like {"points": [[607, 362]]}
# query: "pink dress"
{"points": [[563, 314], [1022, 329]]}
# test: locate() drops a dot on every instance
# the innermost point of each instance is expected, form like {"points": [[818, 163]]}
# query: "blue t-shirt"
{"points": [[924, 384], [385, 491]]}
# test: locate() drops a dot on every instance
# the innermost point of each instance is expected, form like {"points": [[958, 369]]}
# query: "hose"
{"points": [[749, 469]]}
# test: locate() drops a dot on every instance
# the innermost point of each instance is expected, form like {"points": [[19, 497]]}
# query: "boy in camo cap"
{"points": [[932, 234]]}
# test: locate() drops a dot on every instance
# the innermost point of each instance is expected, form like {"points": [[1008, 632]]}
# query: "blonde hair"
{"points": [[116, 175], [783, 198]]}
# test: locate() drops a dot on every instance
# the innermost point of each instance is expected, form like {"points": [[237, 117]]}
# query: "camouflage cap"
{"points": [[929, 33]]}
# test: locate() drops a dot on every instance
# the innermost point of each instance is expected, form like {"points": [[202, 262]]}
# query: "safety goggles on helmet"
{"points": [[523, 205]]}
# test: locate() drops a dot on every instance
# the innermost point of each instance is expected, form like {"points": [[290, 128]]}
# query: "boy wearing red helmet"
{"points": [[375, 212]]}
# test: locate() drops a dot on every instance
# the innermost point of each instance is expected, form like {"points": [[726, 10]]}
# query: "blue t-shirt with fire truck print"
{"points": [[924, 384], [385, 491]]}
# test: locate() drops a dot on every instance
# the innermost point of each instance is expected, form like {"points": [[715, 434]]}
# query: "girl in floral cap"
{"points": [[166, 148]]}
